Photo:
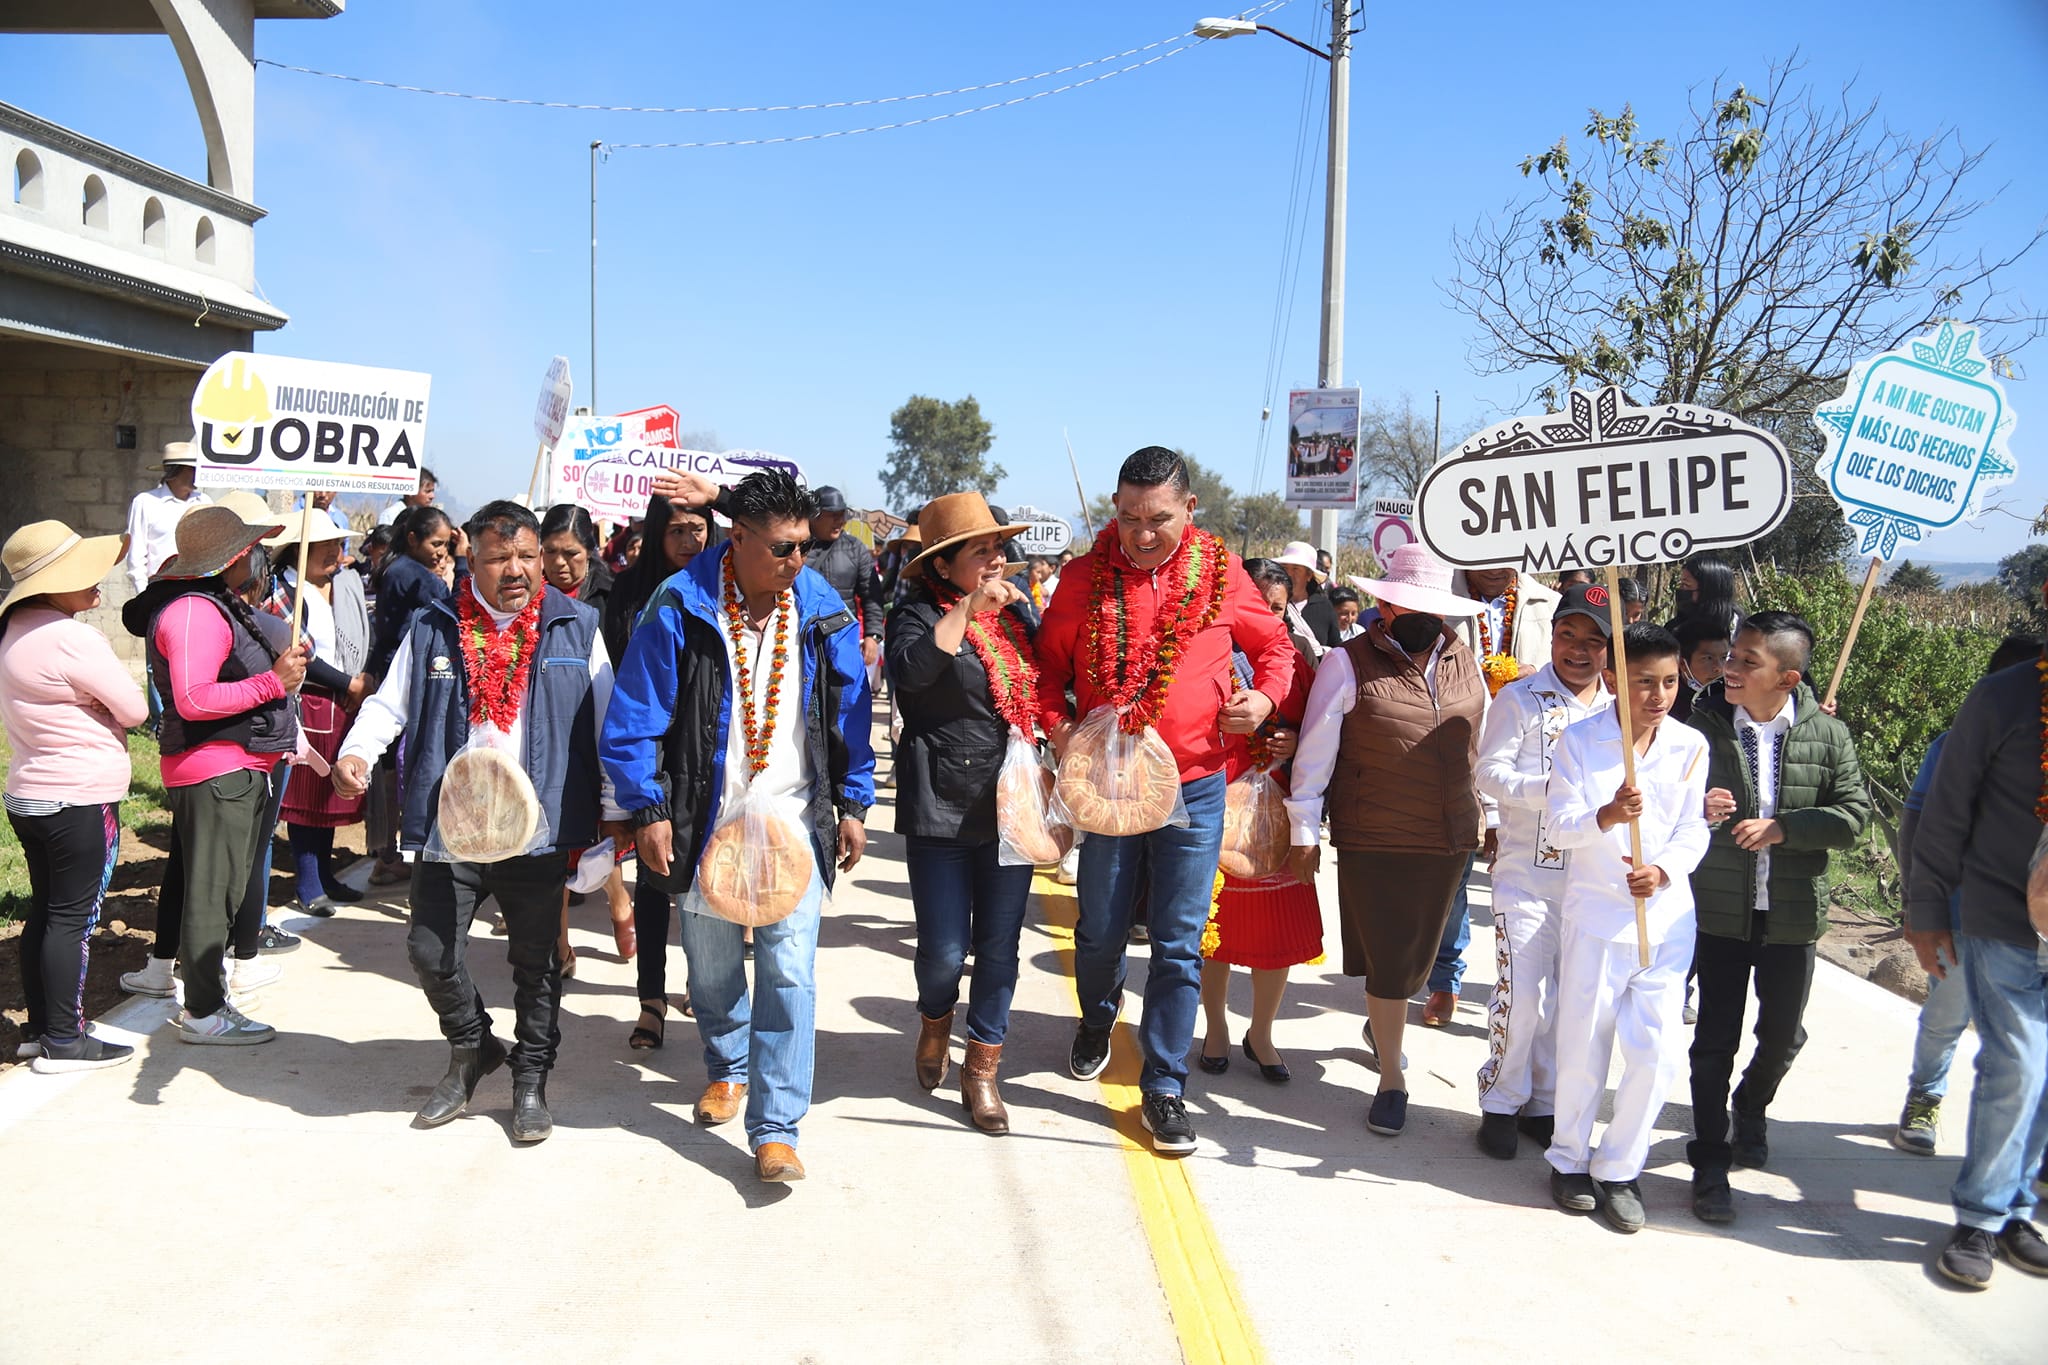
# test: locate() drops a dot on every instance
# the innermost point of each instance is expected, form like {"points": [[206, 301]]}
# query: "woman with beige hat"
{"points": [[66, 702]]}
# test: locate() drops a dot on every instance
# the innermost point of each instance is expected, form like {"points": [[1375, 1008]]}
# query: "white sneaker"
{"points": [[154, 979], [246, 976], [27, 1048], [225, 1027]]}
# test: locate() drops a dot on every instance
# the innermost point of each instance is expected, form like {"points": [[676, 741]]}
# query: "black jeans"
{"points": [[249, 919], [220, 822], [1784, 975], [653, 911], [70, 858], [170, 898], [444, 901]]}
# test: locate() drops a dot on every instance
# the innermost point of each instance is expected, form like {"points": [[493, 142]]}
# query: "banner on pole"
{"points": [[551, 409], [1322, 448], [1603, 483], [1917, 439], [276, 422]]}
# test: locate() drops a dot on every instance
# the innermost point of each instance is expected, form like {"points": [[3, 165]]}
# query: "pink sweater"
{"points": [[194, 637], [66, 701]]}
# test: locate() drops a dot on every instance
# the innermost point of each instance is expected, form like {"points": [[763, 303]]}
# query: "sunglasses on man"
{"points": [[781, 549]]}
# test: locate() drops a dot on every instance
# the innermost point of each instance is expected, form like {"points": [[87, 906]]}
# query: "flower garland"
{"points": [[1500, 668], [2041, 805], [498, 661], [759, 732], [1212, 935], [1134, 675], [1005, 651]]}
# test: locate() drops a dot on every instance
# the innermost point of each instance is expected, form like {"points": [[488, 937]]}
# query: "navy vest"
{"points": [[267, 729], [559, 713]]}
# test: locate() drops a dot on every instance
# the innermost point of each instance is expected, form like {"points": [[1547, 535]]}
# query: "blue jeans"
{"points": [[964, 898], [769, 1042], [2009, 1108], [1180, 865], [1942, 1021], [1449, 971]]}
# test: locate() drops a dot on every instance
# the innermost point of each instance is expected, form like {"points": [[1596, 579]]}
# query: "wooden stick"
{"points": [[540, 453], [299, 594], [1618, 654], [1079, 492], [1855, 625]]}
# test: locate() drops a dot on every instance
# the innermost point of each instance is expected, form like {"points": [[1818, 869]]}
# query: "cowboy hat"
{"points": [[210, 539], [176, 453], [907, 536], [1417, 581], [48, 556], [953, 520], [318, 526]]}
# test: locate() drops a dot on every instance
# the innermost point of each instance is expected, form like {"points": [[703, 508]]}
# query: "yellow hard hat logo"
{"points": [[234, 402]]}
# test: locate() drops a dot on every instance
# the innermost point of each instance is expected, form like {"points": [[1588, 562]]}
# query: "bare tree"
{"points": [[1397, 445]]}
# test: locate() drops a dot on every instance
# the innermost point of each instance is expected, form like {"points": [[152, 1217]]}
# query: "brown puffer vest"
{"points": [[1403, 782]]}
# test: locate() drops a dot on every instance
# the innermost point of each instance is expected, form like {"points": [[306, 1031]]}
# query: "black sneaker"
{"points": [[87, 1053], [1389, 1113], [1166, 1119], [1621, 1204], [1712, 1200], [1090, 1053], [1919, 1123], [2021, 1242], [1498, 1137], [320, 907], [1538, 1128], [1967, 1257], [276, 940], [1750, 1144], [1573, 1193]]}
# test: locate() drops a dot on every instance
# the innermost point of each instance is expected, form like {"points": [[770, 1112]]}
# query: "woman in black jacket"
{"points": [[961, 668]]}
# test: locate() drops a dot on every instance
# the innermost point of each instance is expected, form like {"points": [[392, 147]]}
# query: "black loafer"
{"points": [[1498, 1137], [1277, 1073], [1215, 1066]]}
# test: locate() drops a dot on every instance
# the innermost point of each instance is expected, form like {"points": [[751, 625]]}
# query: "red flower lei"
{"points": [[759, 731], [2041, 805], [1134, 675], [498, 661], [1005, 651]]}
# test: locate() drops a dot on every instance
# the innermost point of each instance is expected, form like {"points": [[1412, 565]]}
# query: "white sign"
{"points": [[1603, 484], [1918, 438], [587, 441], [551, 410], [1391, 525], [274, 422], [617, 489], [1322, 448], [1048, 535]]}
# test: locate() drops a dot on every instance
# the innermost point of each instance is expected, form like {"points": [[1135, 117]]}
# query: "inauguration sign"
{"points": [[275, 422], [1916, 440], [1322, 448], [1391, 526], [1603, 484]]}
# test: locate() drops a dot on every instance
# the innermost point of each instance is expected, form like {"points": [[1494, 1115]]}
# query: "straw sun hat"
{"points": [[210, 539], [953, 520], [319, 527], [48, 556]]}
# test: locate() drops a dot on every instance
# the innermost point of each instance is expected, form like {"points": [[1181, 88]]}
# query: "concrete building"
{"points": [[120, 280]]}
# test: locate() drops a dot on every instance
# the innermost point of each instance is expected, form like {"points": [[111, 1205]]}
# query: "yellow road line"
{"points": [[1209, 1313]]}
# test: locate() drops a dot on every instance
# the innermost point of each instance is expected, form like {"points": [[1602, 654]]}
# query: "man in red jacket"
{"points": [[1156, 587]]}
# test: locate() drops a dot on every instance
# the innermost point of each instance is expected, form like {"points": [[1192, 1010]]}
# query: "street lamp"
{"points": [[1330, 365]]}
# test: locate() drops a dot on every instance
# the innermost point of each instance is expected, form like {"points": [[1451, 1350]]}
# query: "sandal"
{"points": [[643, 1038], [568, 963]]}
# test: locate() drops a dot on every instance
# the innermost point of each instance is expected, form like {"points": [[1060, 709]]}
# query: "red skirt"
{"points": [[1267, 925], [309, 798]]}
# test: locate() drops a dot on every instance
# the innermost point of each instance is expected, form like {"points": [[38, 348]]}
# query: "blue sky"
{"points": [[1102, 261]]}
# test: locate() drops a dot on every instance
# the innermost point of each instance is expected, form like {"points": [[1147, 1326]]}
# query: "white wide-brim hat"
{"points": [[1418, 581], [1299, 553], [318, 527], [176, 454]]}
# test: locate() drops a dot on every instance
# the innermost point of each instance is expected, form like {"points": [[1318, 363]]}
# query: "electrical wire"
{"points": [[1293, 243]]}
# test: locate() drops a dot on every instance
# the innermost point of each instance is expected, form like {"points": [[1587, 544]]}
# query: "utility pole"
{"points": [[1323, 523], [1436, 451], [592, 390]]}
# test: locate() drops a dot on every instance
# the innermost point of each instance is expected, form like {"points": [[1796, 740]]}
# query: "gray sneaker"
{"points": [[225, 1027], [1919, 1122]]}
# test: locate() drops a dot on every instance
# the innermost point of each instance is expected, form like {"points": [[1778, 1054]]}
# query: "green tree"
{"points": [[937, 448], [1264, 522], [2022, 574], [1911, 577]]}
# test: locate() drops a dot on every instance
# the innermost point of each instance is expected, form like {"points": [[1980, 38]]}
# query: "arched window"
{"points": [[95, 203], [202, 241], [28, 180], [152, 221]]}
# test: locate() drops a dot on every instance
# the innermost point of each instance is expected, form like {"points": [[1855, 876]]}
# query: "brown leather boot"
{"points": [[934, 1048], [978, 1087]]}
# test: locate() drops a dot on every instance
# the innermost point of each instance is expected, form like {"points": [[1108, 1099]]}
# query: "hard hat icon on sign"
{"points": [[234, 402]]}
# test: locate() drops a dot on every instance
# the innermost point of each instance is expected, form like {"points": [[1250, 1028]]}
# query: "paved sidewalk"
{"points": [[273, 1202]]}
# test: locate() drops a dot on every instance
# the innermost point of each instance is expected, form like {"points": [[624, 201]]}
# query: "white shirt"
{"points": [[153, 530], [1495, 613], [383, 716], [1770, 734], [1586, 769], [1516, 743], [789, 763], [1330, 699], [391, 513]]}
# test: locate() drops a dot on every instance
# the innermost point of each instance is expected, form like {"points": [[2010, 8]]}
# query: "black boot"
{"points": [[466, 1066], [531, 1121]]}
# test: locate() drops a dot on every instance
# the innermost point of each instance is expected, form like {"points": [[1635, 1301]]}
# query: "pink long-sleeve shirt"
{"points": [[195, 639], [66, 702]]}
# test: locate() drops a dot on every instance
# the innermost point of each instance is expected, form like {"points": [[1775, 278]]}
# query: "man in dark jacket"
{"points": [[1784, 788], [849, 567], [1977, 831]]}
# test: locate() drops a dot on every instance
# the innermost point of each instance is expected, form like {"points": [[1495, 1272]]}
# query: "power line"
{"points": [[1293, 242]]}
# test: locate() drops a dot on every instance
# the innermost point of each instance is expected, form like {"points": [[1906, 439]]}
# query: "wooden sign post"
{"points": [[299, 589], [1855, 625], [1617, 654]]}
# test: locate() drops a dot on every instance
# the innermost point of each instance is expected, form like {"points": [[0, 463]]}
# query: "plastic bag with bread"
{"points": [[1115, 783], [758, 863], [1254, 827], [1028, 833], [487, 810]]}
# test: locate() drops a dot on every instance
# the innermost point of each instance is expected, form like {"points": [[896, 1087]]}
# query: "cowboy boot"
{"points": [[466, 1066], [934, 1047], [978, 1087], [531, 1121]]}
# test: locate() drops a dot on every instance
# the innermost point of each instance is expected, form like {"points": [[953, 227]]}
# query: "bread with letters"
{"points": [[1117, 784]]}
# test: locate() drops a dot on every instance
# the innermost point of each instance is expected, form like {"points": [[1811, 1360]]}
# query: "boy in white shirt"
{"points": [[1518, 1083], [1605, 997]]}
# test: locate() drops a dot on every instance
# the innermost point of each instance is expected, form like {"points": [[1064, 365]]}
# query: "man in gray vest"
{"points": [[515, 665]]}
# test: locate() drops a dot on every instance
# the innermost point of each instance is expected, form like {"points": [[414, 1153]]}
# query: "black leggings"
{"points": [[70, 858], [652, 913]]}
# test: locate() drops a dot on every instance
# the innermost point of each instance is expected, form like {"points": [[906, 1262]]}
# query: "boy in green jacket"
{"points": [[1786, 773]]}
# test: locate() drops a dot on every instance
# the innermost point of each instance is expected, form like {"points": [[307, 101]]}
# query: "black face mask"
{"points": [[1415, 631], [1686, 598]]}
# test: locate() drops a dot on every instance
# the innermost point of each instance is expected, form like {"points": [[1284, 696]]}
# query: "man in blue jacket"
{"points": [[701, 718]]}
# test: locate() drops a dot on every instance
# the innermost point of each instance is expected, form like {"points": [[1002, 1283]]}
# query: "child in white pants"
{"points": [[1605, 996]]}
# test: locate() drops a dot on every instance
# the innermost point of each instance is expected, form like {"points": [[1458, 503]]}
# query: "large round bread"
{"points": [[1134, 794], [1254, 831], [755, 869], [488, 811], [1021, 795]]}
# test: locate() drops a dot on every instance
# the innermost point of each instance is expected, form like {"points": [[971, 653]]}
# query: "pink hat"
{"points": [[1417, 581]]}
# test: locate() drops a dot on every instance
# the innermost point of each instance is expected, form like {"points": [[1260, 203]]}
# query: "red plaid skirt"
{"points": [[309, 798]]}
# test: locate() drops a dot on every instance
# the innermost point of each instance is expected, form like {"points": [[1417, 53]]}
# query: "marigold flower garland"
{"points": [[1500, 668], [759, 732], [1005, 651], [2041, 805], [497, 661], [1134, 675]]}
